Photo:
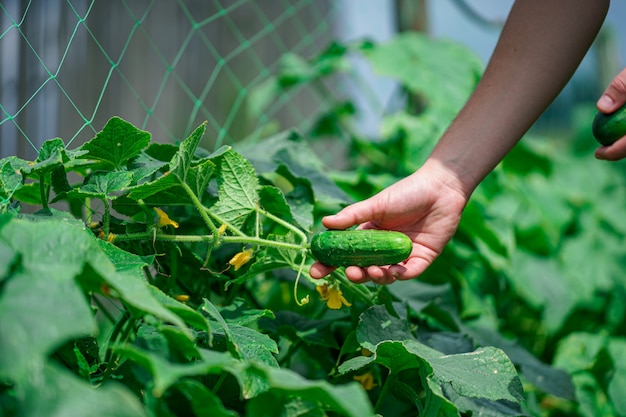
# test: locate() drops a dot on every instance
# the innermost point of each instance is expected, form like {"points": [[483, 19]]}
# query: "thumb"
{"points": [[614, 95]]}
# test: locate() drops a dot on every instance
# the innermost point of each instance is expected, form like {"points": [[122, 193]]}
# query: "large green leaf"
{"points": [[117, 143], [484, 373], [289, 150], [54, 392], [124, 273], [41, 304]]}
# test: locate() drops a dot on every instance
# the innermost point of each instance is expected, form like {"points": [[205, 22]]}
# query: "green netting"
{"points": [[67, 66]]}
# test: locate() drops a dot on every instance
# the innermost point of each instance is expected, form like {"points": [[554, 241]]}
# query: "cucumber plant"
{"points": [[166, 284]]}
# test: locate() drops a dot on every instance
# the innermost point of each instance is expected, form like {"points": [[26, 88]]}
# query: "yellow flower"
{"points": [[366, 381], [333, 296], [182, 297], [241, 258], [164, 219], [221, 230]]}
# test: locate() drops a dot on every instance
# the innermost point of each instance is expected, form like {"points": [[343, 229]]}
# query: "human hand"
{"points": [[612, 99], [426, 206]]}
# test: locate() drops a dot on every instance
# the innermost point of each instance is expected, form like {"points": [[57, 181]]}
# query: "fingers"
{"points": [[612, 99], [614, 95], [613, 152], [319, 270]]}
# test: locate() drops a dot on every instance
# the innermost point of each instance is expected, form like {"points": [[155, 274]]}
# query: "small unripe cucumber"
{"points": [[361, 247], [607, 128]]}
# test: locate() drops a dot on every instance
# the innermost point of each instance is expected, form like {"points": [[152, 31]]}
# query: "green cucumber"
{"points": [[607, 128], [361, 247]]}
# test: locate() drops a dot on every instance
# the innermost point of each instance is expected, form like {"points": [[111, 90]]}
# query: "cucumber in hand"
{"points": [[607, 128], [361, 247]]}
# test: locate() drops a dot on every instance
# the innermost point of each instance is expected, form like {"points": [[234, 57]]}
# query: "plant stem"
{"points": [[384, 390], [208, 238], [230, 227], [358, 290], [106, 218], [205, 217], [201, 209], [42, 191], [283, 223]]}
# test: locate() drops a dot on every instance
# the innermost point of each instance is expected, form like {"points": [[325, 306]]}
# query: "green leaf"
{"points": [[294, 70], [241, 313], [237, 188], [214, 313], [295, 327], [181, 166], [241, 341], [41, 304], [484, 373], [199, 175], [127, 277], [166, 374], [348, 400], [483, 407], [293, 152], [144, 166], [617, 383], [103, 185], [117, 143], [182, 160], [272, 200], [52, 155], [377, 325], [443, 72], [11, 178], [56, 392], [253, 346], [549, 379], [540, 282], [204, 402], [192, 317], [148, 189]]}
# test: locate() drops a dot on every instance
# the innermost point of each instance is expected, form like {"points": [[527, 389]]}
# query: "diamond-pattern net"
{"points": [[67, 66]]}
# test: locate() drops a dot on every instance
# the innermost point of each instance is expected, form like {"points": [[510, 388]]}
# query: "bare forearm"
{"points": [[540, 47]]}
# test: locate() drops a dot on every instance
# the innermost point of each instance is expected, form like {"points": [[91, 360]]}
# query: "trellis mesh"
{"points": [[67, 66]]}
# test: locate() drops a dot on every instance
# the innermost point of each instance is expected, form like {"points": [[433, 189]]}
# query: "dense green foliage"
{"points": [[139, 278]]}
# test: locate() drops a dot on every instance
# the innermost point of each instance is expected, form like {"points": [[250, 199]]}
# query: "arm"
{"points": [[541, 45]]}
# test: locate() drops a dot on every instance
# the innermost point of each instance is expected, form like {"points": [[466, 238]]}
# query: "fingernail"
{"points": [[605, 101]]}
